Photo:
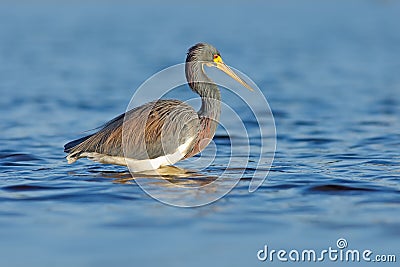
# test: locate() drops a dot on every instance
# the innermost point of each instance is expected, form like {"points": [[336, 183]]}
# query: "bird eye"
{"points": [[216, 56]]}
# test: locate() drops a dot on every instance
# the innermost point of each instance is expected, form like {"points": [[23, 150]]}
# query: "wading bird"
{"points": [[161, 132]]}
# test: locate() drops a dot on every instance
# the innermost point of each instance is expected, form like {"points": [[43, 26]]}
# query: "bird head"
{"points": [[208, 55]]}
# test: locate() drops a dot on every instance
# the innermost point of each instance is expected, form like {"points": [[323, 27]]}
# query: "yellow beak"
{"points": [[222, 66]]}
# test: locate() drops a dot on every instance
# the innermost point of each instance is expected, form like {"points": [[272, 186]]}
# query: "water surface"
{"points": [[329, 71]]}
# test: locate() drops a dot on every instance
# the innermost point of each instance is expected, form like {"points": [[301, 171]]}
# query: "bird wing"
{"points": [[152, 130]]}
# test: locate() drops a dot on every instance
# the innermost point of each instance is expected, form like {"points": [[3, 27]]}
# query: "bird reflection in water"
{"points": [[174, 175]]}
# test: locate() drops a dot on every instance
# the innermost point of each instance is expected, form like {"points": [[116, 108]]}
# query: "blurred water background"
{"points": [[330, 71]]}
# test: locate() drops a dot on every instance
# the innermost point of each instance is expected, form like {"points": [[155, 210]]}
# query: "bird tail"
{"points": [[71, 149], [72, 158]]}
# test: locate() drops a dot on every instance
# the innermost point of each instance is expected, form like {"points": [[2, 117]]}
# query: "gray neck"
{"points": [[207, 89]]}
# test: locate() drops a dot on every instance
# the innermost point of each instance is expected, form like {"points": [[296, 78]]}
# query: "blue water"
{"points": [[329, 71]]}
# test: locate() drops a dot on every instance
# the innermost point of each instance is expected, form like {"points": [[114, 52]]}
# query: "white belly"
{"points": [[144, 164]]}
